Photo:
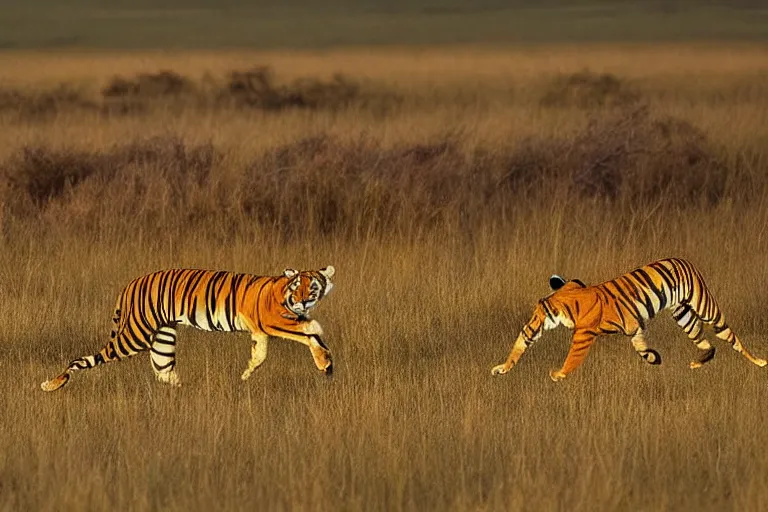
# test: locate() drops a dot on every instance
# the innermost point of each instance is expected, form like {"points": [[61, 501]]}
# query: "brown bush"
{"points": [[627, 155], [43, 104], [587, 89], [38, 176], [325, 185], [149, 85], [256, 88]]}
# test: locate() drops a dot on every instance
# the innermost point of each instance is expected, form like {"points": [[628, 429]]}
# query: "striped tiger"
{"points": [[623, 306], [150, 307]]}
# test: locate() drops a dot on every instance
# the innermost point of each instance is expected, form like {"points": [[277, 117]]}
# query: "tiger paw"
{"points": [[248, 372], [499, 370], [695, 364], [556, 375], [170, 378], [760, 362]]}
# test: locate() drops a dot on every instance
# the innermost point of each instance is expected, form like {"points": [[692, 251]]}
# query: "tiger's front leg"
{"points": [[310, 334], [580, 345], [321, 354], [518, 348], [258, 354]]}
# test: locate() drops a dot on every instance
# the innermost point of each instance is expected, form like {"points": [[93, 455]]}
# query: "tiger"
{"points": [[623, 306], [150, 308]]}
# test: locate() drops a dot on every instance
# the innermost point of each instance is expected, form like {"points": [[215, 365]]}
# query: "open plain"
{"points": [[445, 185]]}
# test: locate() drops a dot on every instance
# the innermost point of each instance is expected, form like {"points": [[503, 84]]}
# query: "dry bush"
{"points": [[326, 185], [631, 156], [587, 89], [43, 104], [139, 94], [148, 85], [256, 88], [38, 176]]}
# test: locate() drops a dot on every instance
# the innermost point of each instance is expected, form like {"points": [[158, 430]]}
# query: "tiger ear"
{"points": [[556, 282], [290, 273], [328, 271]]}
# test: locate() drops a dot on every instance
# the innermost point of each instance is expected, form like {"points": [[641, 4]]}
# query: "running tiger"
{"points": [[150, 307], [624, 305]]}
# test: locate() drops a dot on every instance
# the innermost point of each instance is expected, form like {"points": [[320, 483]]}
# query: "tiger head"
{"points": [[305, 288]]}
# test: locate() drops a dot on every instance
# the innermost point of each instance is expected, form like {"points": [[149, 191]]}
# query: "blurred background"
{"points": [[324, 23]]}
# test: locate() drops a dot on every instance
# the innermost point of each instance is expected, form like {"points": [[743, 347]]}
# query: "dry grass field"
{"points": [[445, 186]]}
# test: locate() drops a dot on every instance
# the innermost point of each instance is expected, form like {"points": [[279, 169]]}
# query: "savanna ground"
{"points": [[445, 185]]}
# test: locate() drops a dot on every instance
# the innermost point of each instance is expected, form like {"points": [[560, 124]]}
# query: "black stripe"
{"points": [[227, 279], [547, 310], [680, 312], [237, 293], [323, 283], [678, 280], [666, 275], [658, 292], [135, 316], [189, 295], [319, 341], [688, 282], [162, 296], [131, 339], [280, 329], [229, 305], [526, 326], [192, 313], [210, 301], [642, 297], [160, 368], [569, 312], [691, 320], [154, 298], [623, 299], [616, 306], [177, 306], [161, 353]]}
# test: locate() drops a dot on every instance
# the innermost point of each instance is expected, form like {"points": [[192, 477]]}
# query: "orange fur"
{"points": [[623, 306], [151, 306]]}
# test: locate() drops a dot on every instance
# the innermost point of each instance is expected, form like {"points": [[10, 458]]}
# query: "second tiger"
{"points": [[623, 306]]}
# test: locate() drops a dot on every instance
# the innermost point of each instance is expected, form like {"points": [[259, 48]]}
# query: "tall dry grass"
{"points": [[445, 199]]}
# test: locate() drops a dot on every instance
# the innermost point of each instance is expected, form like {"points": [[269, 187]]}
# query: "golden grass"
{"points": [[426, 302]]}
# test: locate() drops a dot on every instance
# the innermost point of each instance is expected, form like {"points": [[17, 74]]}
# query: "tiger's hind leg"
{"points": [[649, 355], [691, 323], [162, 355]]}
